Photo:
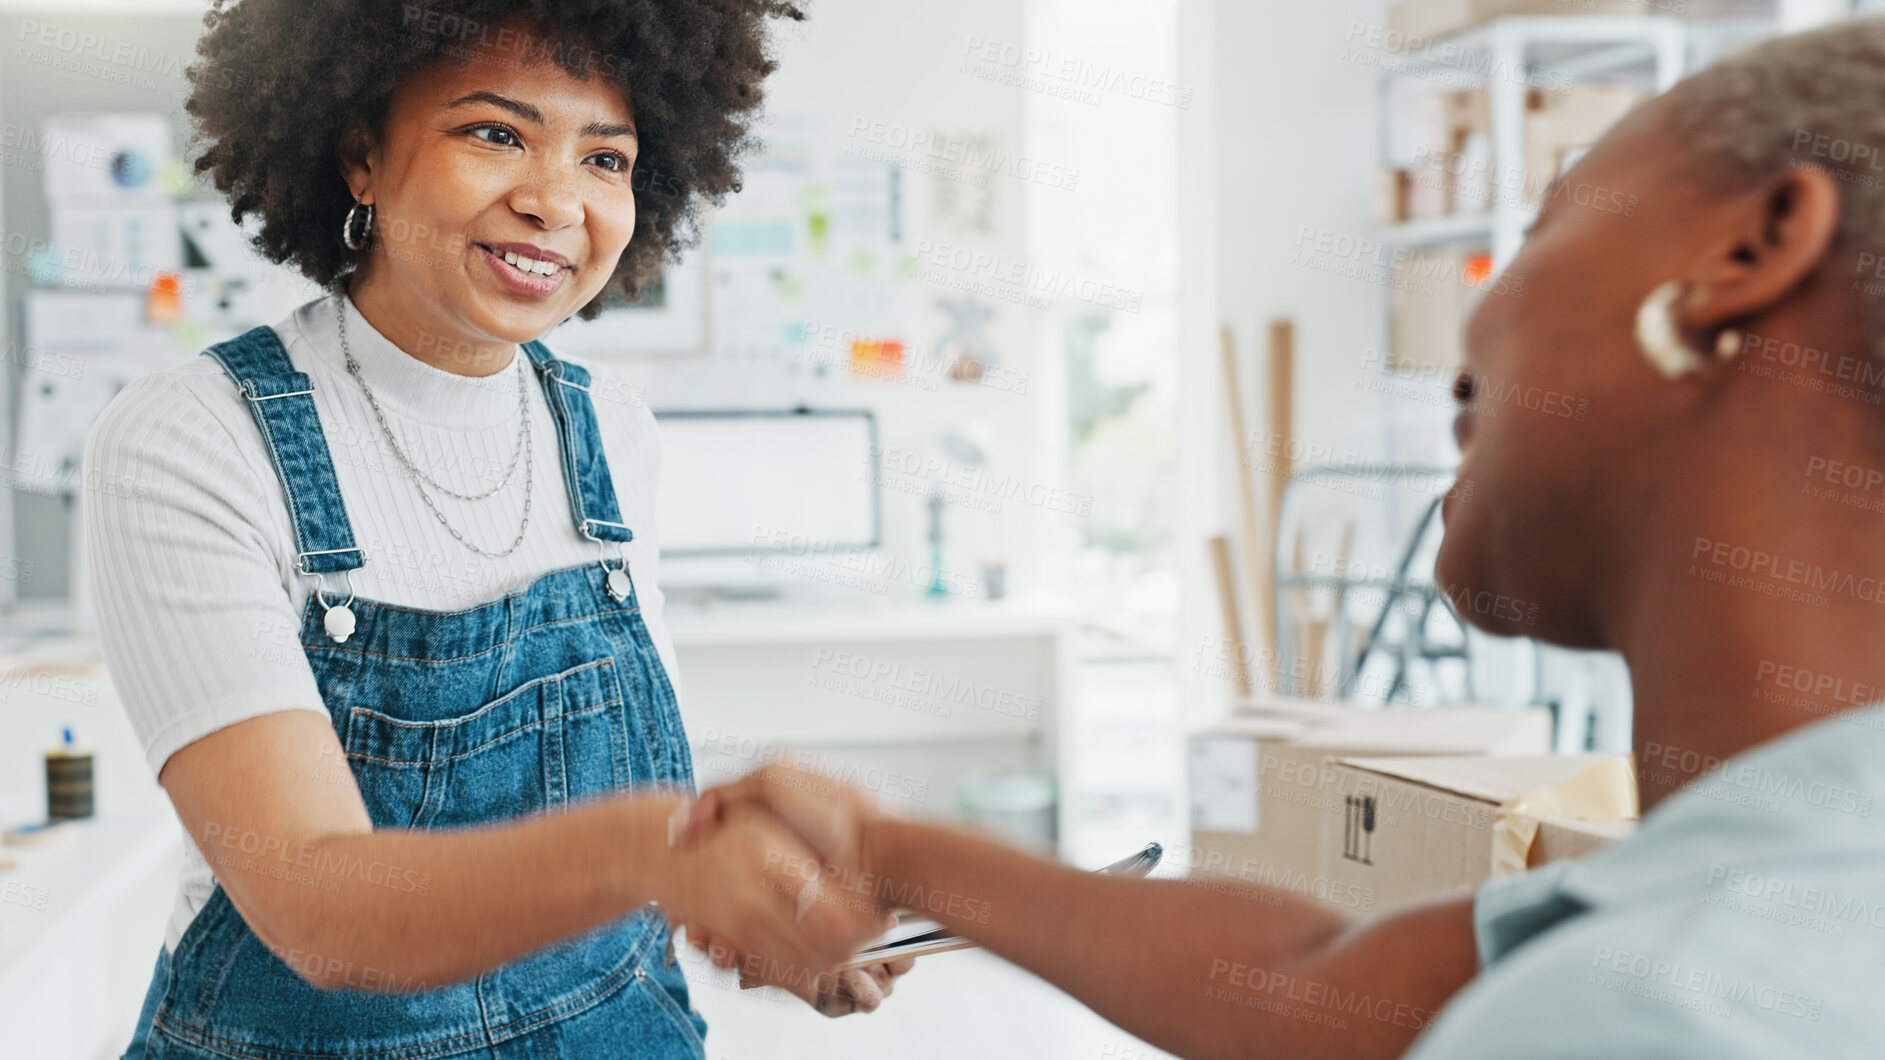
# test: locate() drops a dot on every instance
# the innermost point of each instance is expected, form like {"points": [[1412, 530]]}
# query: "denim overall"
{"points": [[547, 695]]}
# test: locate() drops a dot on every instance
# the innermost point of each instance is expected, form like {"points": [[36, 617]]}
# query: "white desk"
{"points": [[80, 921], [902, 697]]}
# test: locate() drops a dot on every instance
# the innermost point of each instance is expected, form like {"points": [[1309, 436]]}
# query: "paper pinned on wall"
{"points": [[81, 349], [106, 156], [115, 244], [1223, 786]]}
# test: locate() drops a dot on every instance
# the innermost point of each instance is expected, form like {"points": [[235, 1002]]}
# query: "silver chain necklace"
{"points": [[517, 447], [419, 480]]}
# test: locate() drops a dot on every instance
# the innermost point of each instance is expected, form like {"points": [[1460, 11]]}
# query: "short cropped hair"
{"points": [[1804, 100]]}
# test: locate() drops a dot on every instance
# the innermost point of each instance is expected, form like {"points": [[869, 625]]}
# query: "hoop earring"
{"points": [[1658, 337], [346, 227]]}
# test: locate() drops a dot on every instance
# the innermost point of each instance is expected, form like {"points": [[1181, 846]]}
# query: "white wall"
{"points": [[1283, 135], [902, 64]]}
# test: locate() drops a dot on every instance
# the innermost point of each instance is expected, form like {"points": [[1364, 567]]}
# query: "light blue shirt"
{"points": [[1745, 918]]}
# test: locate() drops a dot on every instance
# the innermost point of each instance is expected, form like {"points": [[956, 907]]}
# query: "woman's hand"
{"points": [[831, 817], [860, 989], [753, 887], [851, 990]]}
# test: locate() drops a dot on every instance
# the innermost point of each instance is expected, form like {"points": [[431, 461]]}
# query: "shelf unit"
{"points": [[1498, 56]]}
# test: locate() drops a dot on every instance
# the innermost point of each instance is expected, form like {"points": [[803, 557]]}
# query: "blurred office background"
{"points": [[1070, 377]]}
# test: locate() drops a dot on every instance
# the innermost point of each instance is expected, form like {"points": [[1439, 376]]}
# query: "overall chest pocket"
{"points": [[542, 745]]}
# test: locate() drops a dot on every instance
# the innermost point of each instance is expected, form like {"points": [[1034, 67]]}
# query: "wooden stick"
{"points": [[1282, 429], [1282, 419], [1251, 539], [1233, 621]]}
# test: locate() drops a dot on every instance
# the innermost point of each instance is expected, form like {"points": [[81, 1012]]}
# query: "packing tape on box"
{"points": [[1604, 792]]}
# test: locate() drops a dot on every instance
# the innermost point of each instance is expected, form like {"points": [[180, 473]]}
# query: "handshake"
{"points": [[773, 880]]}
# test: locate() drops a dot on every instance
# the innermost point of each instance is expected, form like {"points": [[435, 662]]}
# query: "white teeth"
{"points": [[541, 268]]}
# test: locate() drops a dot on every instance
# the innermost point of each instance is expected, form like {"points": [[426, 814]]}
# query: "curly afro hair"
{"points": [[692, 69]]}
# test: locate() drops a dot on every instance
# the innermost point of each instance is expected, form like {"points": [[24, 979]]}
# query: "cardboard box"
{"points": [[1559, 125], [1418, 828], [1262, 786], [1428, 305], [1562, 839]]}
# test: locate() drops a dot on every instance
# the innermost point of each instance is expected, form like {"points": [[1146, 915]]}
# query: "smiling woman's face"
{"points": [[481, 170]]}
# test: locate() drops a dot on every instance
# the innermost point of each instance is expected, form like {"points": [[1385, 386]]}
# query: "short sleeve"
{"points": [[196, 624], [1510, 911]]}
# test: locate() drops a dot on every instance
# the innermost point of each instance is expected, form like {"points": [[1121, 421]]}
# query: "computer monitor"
{"points": [[747, 483]]}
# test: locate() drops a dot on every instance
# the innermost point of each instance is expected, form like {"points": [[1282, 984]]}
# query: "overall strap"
{"points": [[585, 468], [282, 401]]}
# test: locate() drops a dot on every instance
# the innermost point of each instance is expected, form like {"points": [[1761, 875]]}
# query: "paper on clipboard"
{"points": [[919, 938]]}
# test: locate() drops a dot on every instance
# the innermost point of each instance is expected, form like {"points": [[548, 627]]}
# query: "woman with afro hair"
{"points": [[383, 609]]}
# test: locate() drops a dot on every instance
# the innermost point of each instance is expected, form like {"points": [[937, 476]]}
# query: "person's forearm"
{"points": [[1198, 969], [396, 911]]}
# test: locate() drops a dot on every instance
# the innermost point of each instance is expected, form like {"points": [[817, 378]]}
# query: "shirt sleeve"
{"points": [[1512, 910], [195, 621]]}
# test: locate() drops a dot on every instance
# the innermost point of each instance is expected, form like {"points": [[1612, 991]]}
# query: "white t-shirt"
{"points": [[192, 556]]}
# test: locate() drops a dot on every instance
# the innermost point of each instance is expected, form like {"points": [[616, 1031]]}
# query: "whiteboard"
{"points": [[796, 482]]}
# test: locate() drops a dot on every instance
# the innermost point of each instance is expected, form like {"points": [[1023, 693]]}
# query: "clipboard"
{"points": [[918, 938]]}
